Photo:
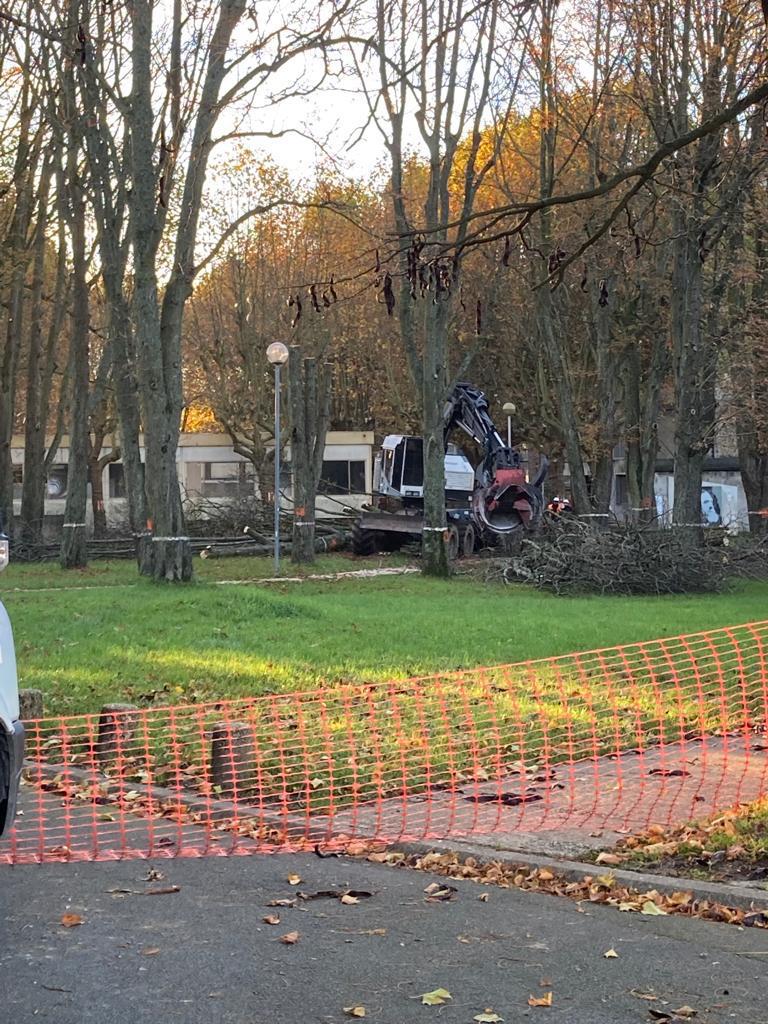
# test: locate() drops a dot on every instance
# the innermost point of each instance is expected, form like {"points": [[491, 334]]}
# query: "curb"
{"points": [[740, 897]]}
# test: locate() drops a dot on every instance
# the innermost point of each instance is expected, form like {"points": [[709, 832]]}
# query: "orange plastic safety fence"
{"points": [[655, 732]]}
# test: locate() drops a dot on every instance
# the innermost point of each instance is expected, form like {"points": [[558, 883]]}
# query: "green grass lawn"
{"points": [[121, 638]]}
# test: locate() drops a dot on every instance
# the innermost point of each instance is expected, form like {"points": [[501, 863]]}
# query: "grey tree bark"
{"points": [[15, 260], [74, 553], [310, 404], [40, 369]]}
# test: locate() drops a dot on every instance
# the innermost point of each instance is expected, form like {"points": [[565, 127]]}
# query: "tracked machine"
{"points": [[483, 503]]}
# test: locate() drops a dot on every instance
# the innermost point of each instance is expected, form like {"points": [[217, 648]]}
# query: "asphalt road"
{"points": [[204, 953]]}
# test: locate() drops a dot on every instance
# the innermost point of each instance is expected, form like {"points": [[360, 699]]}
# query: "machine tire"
{"points": [[452, 544], [468, 541], [364, 542]]}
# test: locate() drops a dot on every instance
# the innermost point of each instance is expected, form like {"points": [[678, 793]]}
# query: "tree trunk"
{"points": [[607, 390], [15, 260], [74, 552], [310, 403], [36, 411], [434, 392], [167, 556]]}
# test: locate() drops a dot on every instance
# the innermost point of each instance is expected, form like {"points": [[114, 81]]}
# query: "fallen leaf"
{"points": [[545, 1000], [71, 920], [436, 998], [649, 907], [628, 907], [151, 951], [335, 894], [611, 954], [488, 1017], [648, 996], [271, 919], [372, 931], [349, 901], [609, 858], [282, 903], [484, 897], [545, 875], [685, 1011], [293, 880], [438, 893], [355, 1011], [163, 892], [290, 938]]}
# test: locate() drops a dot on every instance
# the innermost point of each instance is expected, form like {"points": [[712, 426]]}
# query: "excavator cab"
{"points": [[398, 472]]}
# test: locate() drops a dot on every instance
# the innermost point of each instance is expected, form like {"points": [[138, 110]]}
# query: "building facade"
{"points": [[211, 471]]}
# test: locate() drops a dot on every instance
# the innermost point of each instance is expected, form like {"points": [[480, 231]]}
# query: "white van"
{"points": [[11, 729]]}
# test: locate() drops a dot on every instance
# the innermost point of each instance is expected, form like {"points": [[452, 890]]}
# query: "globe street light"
{"points": [[277, 355], [510, 409]]}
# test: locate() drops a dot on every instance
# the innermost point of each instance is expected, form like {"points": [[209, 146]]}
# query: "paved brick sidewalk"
{"points": [[564, 806]]}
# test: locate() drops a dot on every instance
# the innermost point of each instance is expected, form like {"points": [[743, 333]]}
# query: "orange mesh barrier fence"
{"points": [[655, 732]]}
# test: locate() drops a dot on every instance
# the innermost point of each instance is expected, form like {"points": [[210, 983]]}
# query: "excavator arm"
{"points": [[503, 501]]}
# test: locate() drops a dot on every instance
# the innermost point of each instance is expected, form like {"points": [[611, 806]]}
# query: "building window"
{"points": [[620, 490], [227, 479], [116, 480], [56, 486], [342, 476]]}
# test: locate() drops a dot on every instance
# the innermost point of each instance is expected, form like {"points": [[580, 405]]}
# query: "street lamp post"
{"points": [[510, 409], [277, 355]]}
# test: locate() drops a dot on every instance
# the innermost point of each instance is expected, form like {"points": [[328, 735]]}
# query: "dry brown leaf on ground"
{"points": [[354, 1011], [349, 901], [294, 880], [290, 938], [71, 920], [282, 902], [545, 1000], [685, 1011], [488, 1017], [271, 919], [612, 859], [611, 954], [152, 951]]}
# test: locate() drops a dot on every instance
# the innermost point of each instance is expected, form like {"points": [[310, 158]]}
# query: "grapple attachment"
{"points": [[503, 501]]}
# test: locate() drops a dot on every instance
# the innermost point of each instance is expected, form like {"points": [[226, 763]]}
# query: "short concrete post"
{"points": [[117, 727], [233, 758], [30, 705]]}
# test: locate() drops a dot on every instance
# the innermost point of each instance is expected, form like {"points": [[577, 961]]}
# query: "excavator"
{"points": [[483, 503]]}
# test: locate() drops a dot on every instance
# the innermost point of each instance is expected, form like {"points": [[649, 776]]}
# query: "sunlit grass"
{"points": [[150, 644]]}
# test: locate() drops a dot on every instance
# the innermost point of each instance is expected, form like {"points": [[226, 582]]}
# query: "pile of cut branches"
{"points": [[572, 556]]}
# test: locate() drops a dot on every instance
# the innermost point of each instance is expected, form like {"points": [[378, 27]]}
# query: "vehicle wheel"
{"points": [[452, 544], [393, 541], [468, 541], [364, 542]]}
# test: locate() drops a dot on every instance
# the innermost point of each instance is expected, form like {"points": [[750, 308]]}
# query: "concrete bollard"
{"points": [[233, 759], [30, 705], [117, 727]]}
